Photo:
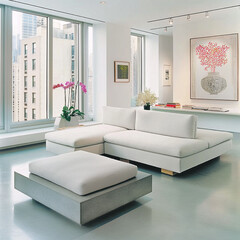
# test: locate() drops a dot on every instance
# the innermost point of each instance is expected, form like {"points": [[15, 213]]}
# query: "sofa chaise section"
{"points": [[90, 138]]}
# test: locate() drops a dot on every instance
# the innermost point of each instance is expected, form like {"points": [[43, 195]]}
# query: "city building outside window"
{"points": [[25, 114], [33, 113], [73, 51], [25, 97], [25, 49], [66, 36], [33, 81], [25, 65], [137, 63], [33, 97], [73, 66], [33, 64], [25, 81], [33, 48]]}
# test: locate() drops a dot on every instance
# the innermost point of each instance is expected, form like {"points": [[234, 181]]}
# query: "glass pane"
{"points": [[28, 31], [65, 63], [136, 63], [90, 72]]}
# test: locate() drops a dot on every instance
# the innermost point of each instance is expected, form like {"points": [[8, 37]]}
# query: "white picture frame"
{"points": [[121, 72], [204, 72], [167, 75]]}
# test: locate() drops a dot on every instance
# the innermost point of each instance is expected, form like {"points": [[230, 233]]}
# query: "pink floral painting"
{"points": [[212, 55], [214, 67]]}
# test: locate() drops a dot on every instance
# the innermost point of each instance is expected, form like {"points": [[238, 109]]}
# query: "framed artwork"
{"points": [[167, 75], [121, 72], [214, 67]]}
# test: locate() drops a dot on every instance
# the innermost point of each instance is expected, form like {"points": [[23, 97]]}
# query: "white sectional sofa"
{"points": [[168, 141]]}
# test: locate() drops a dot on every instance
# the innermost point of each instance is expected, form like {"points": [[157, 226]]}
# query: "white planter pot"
{"points": [[62, 123]]}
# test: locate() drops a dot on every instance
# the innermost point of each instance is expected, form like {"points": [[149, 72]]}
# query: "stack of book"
{"points": [[160, 105], [173, 105]]}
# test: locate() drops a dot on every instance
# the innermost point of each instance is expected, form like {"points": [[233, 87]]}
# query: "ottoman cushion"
{"points": [[82, 172], [82, 136]]}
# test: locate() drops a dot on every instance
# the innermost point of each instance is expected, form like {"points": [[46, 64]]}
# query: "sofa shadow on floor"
{"points": [[214, 174]]}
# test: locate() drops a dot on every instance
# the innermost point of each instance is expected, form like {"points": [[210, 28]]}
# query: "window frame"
{"points": [[142, 71], [85, 69], [7, 125]]}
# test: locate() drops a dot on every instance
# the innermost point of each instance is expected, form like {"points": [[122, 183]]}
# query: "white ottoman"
{"points": [[82, 186]]}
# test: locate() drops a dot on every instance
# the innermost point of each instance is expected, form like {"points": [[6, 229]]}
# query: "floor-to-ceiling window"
{"points": [[29, 59], [39, 52], [137, 63], [65, 65]]}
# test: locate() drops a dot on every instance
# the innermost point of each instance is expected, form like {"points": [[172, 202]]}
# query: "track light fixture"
{"points": [[188, 15]]}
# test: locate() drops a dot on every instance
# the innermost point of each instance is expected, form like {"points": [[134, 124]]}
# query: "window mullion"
{"points": [[50, 69], [7, 67]]}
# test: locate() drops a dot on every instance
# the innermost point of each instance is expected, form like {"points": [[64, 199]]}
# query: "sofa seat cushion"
{"points": [[82, 172], [213, 137], [171, 146], [82, 136]]}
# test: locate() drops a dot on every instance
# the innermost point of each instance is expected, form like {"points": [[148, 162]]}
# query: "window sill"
{"points": [[27, 137]]}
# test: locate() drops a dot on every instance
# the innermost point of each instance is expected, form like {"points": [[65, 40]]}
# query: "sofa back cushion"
{"points": [[169, 124], [121, 117]]}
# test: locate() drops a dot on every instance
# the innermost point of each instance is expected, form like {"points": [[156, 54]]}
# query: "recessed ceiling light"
{"points": [[102, 2], [207, 14], [170, 21]]}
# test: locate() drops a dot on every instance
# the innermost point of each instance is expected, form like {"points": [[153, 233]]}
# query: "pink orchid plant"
{"points": [[212, 55], [70, 97]]}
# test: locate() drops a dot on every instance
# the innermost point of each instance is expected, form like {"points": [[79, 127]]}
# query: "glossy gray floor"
{"points": [[203, 203]]}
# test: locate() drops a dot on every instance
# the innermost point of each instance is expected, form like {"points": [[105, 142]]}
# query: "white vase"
{"points": [[213, 83], [63, 123]]}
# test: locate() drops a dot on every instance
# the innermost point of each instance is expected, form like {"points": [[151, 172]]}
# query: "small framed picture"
{"points": [[121, 72], [167, 75]]}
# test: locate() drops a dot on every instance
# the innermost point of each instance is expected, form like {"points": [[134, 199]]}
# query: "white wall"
{"points": [[165, 58], [226, 24], [111, 43], [118, 49]]}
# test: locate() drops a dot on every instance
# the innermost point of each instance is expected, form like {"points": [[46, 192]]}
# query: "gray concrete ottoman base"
{"points": [[81, 209]]}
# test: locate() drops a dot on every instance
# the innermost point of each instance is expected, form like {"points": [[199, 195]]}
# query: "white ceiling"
{"points": [[134, 13]]}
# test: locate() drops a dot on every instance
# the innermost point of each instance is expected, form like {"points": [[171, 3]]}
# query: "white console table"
{"points": [[225, 121]]}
